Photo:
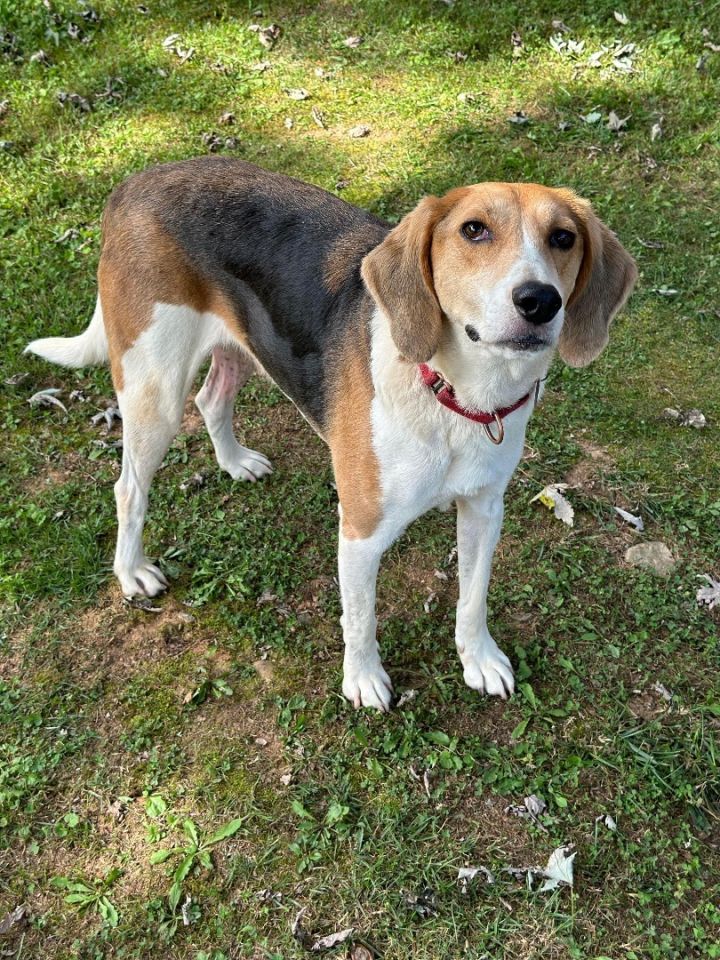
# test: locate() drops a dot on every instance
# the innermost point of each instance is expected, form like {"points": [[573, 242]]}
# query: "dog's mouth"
{"points": [[529, 342]]}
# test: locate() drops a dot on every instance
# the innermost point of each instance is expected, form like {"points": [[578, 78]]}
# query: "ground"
{"points": [[130, 730]]}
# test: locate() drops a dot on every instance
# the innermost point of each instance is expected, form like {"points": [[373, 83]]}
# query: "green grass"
{"points": [[105, 708]]}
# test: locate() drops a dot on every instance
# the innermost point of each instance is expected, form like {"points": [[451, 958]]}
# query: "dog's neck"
{"points": [[483, 378]]}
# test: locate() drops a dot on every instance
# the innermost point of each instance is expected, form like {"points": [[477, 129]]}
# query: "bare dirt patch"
{"points": [[589, 473]]}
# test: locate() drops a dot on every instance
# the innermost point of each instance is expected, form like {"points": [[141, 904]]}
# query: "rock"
{"points": [[265, 670], [653, 555]]}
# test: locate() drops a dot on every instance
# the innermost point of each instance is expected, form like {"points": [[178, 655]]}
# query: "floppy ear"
{"points": [[398, 274], [605, 280]]}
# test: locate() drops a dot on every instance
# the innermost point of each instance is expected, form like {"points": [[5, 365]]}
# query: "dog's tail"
{"points": [[88, 349]]}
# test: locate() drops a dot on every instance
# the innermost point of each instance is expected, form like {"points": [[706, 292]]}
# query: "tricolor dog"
{"points": [[416, 352]]}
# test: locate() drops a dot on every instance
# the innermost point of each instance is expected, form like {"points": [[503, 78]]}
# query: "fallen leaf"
{"points": [[467, 874], [607, 820], [552, 497], [268, 36], [353, 42], [196, 480], [261, 66], [296, 93], [560, 26], [519, 117], [361, 130], [109, 415], [47, 398], [360, 952], [709, 595], [616, 123], [559, 869], [10, 920], [535, 805], [621, 18], [75, 100], [593, 117], [656, 131], [319, 117], [226, 119], [661, 689], [631, 518], [331, 940], [407, 696], [40, 57], [422, 903], [289, 123]]}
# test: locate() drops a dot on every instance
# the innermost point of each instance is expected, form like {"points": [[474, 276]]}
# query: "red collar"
{"points": [[445, 395]]}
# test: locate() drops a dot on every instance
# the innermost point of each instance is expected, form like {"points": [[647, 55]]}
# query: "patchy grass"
{"points": [[120, 725]]}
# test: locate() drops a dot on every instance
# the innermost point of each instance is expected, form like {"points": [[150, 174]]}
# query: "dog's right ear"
{"points": [[398, 274]]}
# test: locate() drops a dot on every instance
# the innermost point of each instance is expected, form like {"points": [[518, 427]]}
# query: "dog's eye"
{"points": [[475, 230], [562, 239]]}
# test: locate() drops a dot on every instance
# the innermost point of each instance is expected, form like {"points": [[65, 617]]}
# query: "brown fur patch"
{"points": [[357, 472], [142, 265]]}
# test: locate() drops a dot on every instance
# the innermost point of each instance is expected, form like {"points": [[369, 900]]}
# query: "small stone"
{"points": [[265, 670], [361, 130], [653, 555]]}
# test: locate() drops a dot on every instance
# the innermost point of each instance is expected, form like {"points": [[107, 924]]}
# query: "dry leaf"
{"points": [[361, 130], [331, 940], [552, 497], [621, 18], [559, 869], [353, 42], [631, 518], [360, 952], [18, 915], [75, 100], [616, 123], [47, 398], [709, 595], [319, 117], [593, 117], [467, 874], [296, 93], [519, 117]]}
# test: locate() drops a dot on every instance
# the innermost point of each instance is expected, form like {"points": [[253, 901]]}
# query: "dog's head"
{"points": [[513, 268]]}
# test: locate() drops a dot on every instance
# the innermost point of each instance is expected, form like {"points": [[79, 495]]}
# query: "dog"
{"points": [[416, 352]]}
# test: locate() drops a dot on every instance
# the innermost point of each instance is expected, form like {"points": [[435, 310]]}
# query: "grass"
{"points": [[128, 732]]}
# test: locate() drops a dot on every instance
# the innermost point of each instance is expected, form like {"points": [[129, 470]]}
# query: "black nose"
{"points": [[537, 302]]}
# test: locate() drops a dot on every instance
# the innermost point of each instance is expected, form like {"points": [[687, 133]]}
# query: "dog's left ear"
{"points": [[605, 280], [398, 274]]}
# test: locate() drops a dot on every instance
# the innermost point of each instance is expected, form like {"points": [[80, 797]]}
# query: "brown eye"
{"points": [[562, 239], [475, 230]]}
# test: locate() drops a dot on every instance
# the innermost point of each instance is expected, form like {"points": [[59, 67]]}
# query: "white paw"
{"points": [[489, 671], [368, 686], [144, 580], [247, 465]]}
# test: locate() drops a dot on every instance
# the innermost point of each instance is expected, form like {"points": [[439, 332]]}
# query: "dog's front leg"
{"points": [[365, 682], [486, 668]]}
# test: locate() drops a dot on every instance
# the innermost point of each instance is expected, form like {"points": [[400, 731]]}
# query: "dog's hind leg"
{"points": [[153, 379], [229, 371]]}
